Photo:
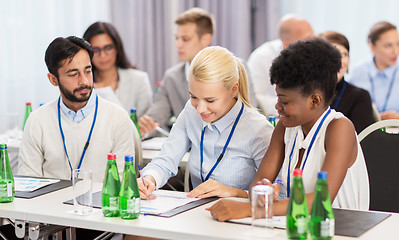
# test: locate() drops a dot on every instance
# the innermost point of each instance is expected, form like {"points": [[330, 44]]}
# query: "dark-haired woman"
{"points": [[353, 102], [113, 71], [380, 75]]}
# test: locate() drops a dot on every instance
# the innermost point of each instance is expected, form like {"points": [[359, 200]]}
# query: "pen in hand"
{"points": [[142, 179]]}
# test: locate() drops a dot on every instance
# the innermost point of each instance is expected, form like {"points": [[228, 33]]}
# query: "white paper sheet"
{"points": [[153, 143], [165, 201], [31, 184]]}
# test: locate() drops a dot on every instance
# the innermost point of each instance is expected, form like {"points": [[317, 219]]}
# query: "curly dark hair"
{"points": [[308, 65]]}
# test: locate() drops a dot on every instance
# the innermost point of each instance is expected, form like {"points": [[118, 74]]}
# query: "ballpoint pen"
{"points": [[162, 131], [142, 179]]}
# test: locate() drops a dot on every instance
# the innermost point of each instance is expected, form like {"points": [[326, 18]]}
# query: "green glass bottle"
{"points": [[28, 110], [272, 120], [7, 192], [322, 221], [297, 212], [111, 188], [129, 196], [133, 117]]}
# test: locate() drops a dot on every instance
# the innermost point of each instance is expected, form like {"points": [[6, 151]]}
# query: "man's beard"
{"points": [[71, 95]]}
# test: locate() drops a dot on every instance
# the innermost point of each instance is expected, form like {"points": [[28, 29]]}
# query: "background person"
{"points": [[379, 75], [291, 29], [113, 71], [353, 102]]}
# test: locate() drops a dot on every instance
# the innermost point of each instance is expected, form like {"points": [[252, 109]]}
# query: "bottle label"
{"points": [[133, 205], [327, 228], [302, 225], [6, 190], [113, 204]]}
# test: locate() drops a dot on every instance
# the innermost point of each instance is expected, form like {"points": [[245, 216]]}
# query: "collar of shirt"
{"points": [[187, 70], [78, 116], [226, 120], [387, 73]]}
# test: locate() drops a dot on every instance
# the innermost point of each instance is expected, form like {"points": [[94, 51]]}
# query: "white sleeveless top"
{"points": [[354, 191]]}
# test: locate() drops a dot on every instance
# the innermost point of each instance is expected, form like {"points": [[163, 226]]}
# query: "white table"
{"points": [[194, 224]]}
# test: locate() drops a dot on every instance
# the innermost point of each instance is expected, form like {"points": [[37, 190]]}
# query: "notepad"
{"points": [[26, 184], [165, 201], [153, 143]]}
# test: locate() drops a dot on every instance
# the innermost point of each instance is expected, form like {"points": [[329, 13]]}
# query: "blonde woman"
{"points": [[227, 137]]}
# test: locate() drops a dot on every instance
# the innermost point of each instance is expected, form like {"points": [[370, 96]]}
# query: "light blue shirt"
{"points": [[237, 169], [78, 116], [378, 84]]}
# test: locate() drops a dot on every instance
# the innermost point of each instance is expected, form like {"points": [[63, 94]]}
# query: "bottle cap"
{"points": [[111, 156], [28, 103], [3, 146], [298, 172], [133, 110], [128, 158], [272, 118], [322, 175]]}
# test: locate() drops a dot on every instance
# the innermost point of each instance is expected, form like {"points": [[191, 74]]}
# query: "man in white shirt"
{"points": [[78, 129], [291, 29]]}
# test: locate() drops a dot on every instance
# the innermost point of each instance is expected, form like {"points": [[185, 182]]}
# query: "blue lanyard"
{"points": [[340, 95], [88, 139], [224, 148], [388, 93], [307, 153]]}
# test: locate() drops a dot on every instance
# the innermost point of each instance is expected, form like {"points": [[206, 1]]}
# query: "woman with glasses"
{"points": [[113, 72]]}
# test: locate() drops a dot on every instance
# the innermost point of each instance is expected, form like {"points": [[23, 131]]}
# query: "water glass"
{"points": [[82, 181], [262, 206]]}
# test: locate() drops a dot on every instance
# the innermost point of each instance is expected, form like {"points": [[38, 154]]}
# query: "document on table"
{"points": [[26, 184], [279, 221], [153, 143], [165, 201]]}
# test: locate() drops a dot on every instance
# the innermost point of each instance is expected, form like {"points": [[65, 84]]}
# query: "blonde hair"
{"points": [[217, 64]]}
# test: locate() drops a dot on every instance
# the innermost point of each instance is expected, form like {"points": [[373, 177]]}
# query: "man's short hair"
{"points": [[203, 20], [61, 49], [308, 65]]}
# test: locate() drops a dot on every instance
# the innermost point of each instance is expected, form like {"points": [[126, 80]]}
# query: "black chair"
{"points": [[381, 153]]}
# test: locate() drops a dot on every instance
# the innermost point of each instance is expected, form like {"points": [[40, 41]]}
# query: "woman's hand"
{"points": [[275, 186], [146, 192], [147, 125], [226, 209], [212, 188]]}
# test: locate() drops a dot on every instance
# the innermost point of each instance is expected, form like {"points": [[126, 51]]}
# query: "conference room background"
{"points": [[147, 29]]}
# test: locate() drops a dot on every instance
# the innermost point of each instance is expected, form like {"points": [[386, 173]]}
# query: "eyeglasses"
{"points": [[108, 49]]}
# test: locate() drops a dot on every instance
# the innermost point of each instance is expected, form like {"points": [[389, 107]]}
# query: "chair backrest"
{"points": [[381, 152]]}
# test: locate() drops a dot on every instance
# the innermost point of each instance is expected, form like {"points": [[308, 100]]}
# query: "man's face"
{"points": [[188, 42], [75, 80]]}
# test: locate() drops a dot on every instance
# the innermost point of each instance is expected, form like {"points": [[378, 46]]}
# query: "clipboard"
{"points": [[97, 204], [46, 189]]}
